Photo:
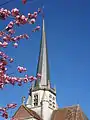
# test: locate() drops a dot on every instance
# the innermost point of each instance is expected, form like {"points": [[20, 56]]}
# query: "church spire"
{"points": [[43, 66]]}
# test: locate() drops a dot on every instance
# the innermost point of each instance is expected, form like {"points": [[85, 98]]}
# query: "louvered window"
{"points": [[36, 100]]}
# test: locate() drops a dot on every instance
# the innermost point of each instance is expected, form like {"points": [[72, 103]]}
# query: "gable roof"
{"points": [[24, 112], [69, 113]]}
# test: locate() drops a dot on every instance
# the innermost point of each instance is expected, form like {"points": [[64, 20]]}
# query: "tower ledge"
{"points": [[52, 90]]}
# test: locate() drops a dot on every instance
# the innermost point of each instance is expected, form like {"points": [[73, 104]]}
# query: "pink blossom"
{"points": [[5, 115], [5, 38], [15, 12], [3, 55], [6, 79], [5, 69], [32, 78], [1, 44], [10, 26], [21, 69], [29, 15], [1, 85], [12, 81], [15, 39], [17, 22], [36, 29], [25, 80], [23, 19], [32, 21], [18, 38], [26, 76], [15, 45], [11, 23], [11, 60], [35, 13], [1, 33], [26, 36], [17, 17], [39, 75], [21, 36], [2, 109], [11, 31], [13, 105], [5, 44]]}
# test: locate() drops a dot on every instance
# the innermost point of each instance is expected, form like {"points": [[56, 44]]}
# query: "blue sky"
{"points": [[68, 37]]}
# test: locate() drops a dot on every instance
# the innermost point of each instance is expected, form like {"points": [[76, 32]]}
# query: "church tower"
{"points": [[41, 103], [42, 97]]}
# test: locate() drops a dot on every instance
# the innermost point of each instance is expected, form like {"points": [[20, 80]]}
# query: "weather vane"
{"points": [[43, 11]]}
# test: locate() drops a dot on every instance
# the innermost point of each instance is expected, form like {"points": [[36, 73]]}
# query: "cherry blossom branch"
{"points": [[4, 110], [6, 79], [7, 35]]}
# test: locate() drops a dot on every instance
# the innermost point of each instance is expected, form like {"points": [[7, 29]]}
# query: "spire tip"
{"points": [[43, 11]]}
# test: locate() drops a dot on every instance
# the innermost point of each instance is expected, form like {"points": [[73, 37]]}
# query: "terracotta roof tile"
{"points": [[24, 112], [33, 113], [69, 113]]}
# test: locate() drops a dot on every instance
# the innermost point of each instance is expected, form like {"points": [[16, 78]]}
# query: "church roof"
{"points": [[69, 113], [43, 66], [24, 113]]}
